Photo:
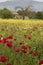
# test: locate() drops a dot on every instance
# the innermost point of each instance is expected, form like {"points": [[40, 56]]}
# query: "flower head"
{"points": [[31, 52], [36, 54], [10, 37], [3, 58], [29, 47], [16, 49], [24, 50], [24, 47], [9, 44], [4, 40], [41, 62], [21, 43], [15, 39]]}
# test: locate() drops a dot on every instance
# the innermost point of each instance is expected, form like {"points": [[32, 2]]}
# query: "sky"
{"points": [[3, 0], [38, 0], [33, 0]]}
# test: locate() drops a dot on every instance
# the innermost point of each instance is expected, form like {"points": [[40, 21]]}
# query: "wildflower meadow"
{"points": [[21, 42]]}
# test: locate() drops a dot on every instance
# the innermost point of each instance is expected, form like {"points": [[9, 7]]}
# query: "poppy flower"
{"points": [[15, 39], [31, 52], [21, 43], [41, 62], [16, 49], [29, 47], [10, 37], [3, 58], [9, 44], [36, 54], [4, 40], [24, 50], [24, 47]]}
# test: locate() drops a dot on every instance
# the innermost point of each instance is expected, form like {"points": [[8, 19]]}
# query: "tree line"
{"points": [[22, 13]]}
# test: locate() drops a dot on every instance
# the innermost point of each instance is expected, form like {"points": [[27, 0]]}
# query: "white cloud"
{"points": [[39, 0], [11, 0], [3, 0]]}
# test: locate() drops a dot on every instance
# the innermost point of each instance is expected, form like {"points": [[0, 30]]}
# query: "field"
{"points": [[21, 42]]}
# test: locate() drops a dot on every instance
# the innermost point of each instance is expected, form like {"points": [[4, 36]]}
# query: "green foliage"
{"points": [[30, 14], [5, 13], [23, 13], [39, 15]]}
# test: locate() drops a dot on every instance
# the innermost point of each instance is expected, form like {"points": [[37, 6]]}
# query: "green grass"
{"points": [[33, 29]]}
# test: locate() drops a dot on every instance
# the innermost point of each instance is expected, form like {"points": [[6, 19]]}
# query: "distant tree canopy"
{"points": [[39, 15], [24, 11], [5, 13], [28, 12], [31, 14]]}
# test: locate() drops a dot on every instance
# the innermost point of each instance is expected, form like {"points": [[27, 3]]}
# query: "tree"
{"points": [[5, 13], [39, 15], [21, 11], [24, 11]]}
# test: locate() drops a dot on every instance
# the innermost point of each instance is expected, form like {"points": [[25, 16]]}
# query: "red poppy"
{"points": [[4, 40], [36, 54], [31, 52], [16, 49], [10, 37], [21, 43], [3, 58], [29, 47], [9, 64], [24, 50], [9, 44], [41, 62], [24, 47], [15, 39]]}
